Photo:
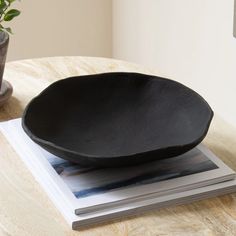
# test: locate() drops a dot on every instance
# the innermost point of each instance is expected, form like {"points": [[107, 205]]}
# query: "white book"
{"points": [[90, 195]]}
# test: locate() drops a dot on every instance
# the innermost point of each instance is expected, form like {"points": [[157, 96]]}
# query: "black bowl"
{"points": [[117, 119]]}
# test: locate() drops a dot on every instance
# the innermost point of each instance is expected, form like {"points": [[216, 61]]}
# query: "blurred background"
{"points": [[190, 41], [59, 28]]}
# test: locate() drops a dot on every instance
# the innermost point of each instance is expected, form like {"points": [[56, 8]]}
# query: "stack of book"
{"points": [[89, 195]]}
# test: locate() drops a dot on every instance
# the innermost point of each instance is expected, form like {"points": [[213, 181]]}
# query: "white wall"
{"points": [[187, 40], [59, 27]]}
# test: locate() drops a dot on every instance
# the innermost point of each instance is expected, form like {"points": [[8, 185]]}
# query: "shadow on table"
{"points": [[11, 110]]}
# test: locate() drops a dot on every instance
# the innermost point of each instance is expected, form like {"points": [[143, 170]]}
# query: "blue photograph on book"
{"points": [[102, 180]]}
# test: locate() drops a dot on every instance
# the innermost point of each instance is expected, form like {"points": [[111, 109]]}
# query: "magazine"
{"points": [[87, 195]]}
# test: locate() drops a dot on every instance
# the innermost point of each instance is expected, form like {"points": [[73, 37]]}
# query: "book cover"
{"points": [[95, 194]]}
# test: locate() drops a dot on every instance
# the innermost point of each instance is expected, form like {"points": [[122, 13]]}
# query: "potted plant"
{"points": [[7, 13]]}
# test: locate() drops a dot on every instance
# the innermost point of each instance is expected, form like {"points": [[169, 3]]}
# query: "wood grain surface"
{"points": [[26, 210]]}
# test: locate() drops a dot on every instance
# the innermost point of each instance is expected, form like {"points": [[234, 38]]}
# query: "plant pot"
{"points": [[5, 87], [4, 41]]}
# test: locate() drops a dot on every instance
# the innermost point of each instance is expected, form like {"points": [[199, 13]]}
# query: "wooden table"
{"points": [[26, 210]]}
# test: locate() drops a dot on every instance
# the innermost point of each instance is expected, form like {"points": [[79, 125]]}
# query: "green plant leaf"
{"points": [[10, 1], [3, 6], [8, 29], [11, 14]]}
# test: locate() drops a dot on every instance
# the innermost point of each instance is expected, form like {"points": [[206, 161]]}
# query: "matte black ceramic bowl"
{"points": [[117, 119]]}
